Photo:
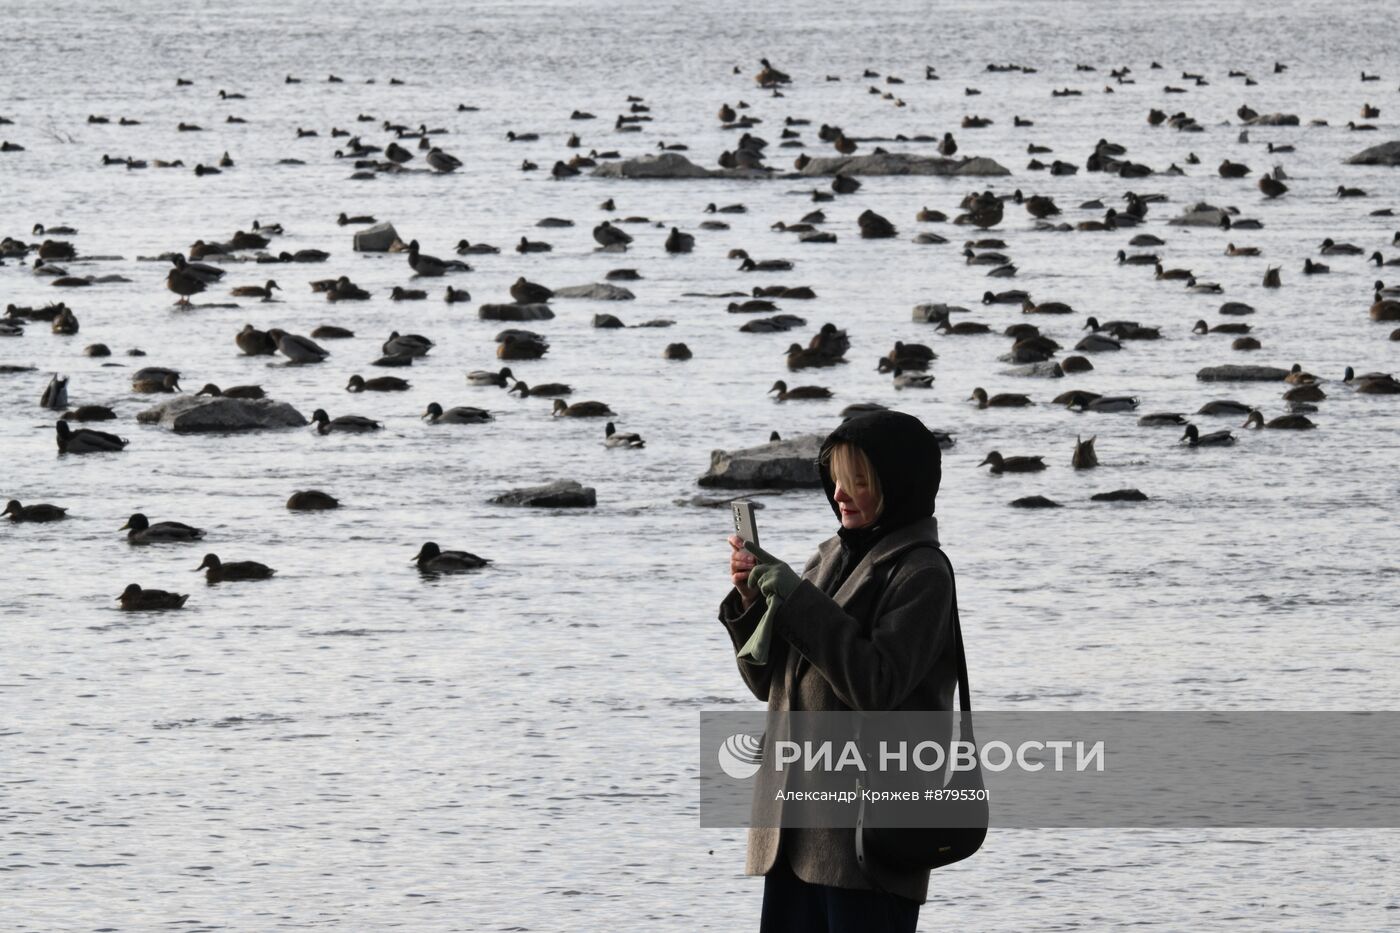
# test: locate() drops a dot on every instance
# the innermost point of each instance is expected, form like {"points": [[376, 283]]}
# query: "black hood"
{"points": [[906, 456]]}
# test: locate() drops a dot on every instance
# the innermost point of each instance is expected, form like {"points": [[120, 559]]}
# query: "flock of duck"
{"points": [[203, 270]]}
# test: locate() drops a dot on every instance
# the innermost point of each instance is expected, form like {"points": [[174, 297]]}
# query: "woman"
{"points": [[867, 626]]}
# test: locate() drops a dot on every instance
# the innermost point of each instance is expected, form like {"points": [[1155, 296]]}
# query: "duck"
{"points": [[1230, 169], [799, 393], [1233, 250], [243, 392], [1271, 187], [1371, 383], [1315, 268], [1194, 438], [1000, 400], [1228, 407], [136, 599], [183, 281], [312, 500], [1380, 260], [1286, 422], [296, 348], [544, 390], [765, 265], [1106, 403], [1385, 309], [465, 248], [89, 413], [1045, 307], [1000, 464], [345, 424], [359, 383], [217, 571], [612, 437], [903, 380], [151, 379], [456, 295], [532, 246], [606, 235], [414, 345], [677, 242], [346, 221], [432, 559], [139, 530], [41, 512], [528, 293], [1138, 259], [254, 342], [485, 377], [1162, 419], [589, 409], [426, 265], [1297, 377], [442, 162], [461, 414], [800, 358], [962, 328], [256, 291], [342, 289]]}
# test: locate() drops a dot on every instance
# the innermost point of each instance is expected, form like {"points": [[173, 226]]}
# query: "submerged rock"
{"points": [[668, 165], [1273, 119], [191, 414], [1384, 154], [1034, 502], [903, 163], [560, 494], [785, 464], [1234, 372], [598, 291], [376, 239], [1120, 495]]}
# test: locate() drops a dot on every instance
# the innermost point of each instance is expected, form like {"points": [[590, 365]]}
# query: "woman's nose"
{"points": [[841, 495]]}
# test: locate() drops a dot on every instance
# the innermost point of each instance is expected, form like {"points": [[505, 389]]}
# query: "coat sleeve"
{"points": [[878, 669], [741, 623]]}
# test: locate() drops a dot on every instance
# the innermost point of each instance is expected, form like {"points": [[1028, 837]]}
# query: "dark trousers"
{"points": [[791, 905]]}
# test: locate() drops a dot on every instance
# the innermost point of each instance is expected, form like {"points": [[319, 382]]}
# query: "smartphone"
{"points": [[745, 522]]}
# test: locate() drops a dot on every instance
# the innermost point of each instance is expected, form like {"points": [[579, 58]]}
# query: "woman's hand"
{"points": [[740, 563]]}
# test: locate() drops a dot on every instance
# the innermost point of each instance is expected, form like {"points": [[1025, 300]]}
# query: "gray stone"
{"points": [[1273, 119], [1200, 214], [1034, 502], [785, 464], [514, 312], [190, 414], [1234, 372], [1384, 154], [607, 320], [560, 494], [903, 163], [1120, 495], [712, 502], [598, 291], [376, 239], [668, 165], [1048, 369]]}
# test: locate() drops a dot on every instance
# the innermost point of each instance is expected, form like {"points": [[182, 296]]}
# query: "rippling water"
{"points": [[352, 746]]}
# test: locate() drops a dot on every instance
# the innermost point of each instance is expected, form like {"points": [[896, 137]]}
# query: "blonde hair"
{"points": [[848, 463]]}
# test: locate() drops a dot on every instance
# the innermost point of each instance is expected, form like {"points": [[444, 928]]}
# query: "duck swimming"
{"points": [[136, 599], [345, 424], [544, 390], [432, 559], [139, 530], [612, 437], [1286, 422], [799, 393], [223, 571], [1000, 400], [1000, 464], [1194, 438], [42, 512], [87, 441], [462, 414], [484, 377], [562, 409], [359, 383]]}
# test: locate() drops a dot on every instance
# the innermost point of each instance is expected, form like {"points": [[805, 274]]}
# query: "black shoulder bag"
{"points": [[926, 848]]}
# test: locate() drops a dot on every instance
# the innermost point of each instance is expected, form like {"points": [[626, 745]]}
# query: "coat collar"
{"points": [[921, 532]]}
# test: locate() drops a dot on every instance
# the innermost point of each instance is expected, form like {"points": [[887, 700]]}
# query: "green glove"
{"points": [[775, 580]]}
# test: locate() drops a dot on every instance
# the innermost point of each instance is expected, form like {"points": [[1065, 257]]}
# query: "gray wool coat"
{"points": [[882, 642]]}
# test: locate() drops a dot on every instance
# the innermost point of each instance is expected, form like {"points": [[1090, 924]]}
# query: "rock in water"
{"points": [[902, 163], [1384, 154], [376, 239], [1240, 373], [785, 464], [560, 494], [204, 415], [599, 291]]}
